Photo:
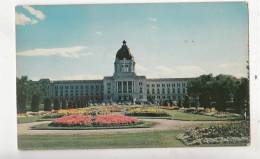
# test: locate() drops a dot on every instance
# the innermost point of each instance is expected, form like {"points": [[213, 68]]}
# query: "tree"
{"points": [[35, 103], [179, 104], [56, 104], [47, 104], [186, 102], [201, 87], [64, 103], [22, 96], [70, 103], [242, 97], [223, 88]]}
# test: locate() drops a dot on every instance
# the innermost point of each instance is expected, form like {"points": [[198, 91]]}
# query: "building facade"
{"points": [[123, 86]]}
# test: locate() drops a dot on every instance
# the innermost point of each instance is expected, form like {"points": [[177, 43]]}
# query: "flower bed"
{"points": [[100, 120], [235, 133], [52, 116], [83, 111], [146, 111]]}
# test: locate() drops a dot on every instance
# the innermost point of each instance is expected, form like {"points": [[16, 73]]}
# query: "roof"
{"points": [[124, 52], [169, 79], [76, 81]]}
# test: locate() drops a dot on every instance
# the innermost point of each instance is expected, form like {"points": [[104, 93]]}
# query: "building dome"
{"points": [[124, 52]]}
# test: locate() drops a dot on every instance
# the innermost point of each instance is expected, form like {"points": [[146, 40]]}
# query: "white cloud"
{"points": [[232, 68], [189, 71], [140, 68], [154, 27], [37, 13], [152, 19], [21, 19], [165, 71], [73, 52], [162, 71], [227, 65], [99, 33]]}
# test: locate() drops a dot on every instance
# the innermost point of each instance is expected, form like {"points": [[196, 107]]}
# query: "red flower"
{"points": [[103, 120]]}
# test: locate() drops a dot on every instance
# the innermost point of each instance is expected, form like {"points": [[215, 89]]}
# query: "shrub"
{"points": [[47, 104], [219, 134], [146, 111], [56, 104], [35, 103]]}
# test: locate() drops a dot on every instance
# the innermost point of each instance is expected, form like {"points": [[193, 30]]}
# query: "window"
{"points": [[141, 90], [158, 85], [158, 91], [153, 91], [147, 85], [168, 91], [140, 83], [163, 85], [129, 86], [124, 87], [119, 84], [163, 91]]}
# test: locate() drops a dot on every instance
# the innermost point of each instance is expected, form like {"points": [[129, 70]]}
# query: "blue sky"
{"points": [[167, 40]]}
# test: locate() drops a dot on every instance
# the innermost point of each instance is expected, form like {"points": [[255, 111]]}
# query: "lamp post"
{"points": [[93, 115]]}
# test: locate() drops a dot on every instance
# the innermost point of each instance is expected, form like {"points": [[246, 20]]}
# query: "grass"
{"points": [[100, 141], [194, 117], [46, 126], [29, 119]]}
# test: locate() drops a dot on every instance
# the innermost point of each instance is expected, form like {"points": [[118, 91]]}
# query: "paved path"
{"points": [[162, 124]]}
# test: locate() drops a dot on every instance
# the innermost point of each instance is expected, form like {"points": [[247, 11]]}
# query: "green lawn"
{"points": [[122, 140], [193, 117], [28, 119]]}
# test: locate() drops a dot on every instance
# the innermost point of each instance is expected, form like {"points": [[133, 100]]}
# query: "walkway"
{"points": [[162, 124]]}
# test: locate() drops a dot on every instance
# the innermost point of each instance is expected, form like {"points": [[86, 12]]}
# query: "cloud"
{"points": [[162, 71], [21, 19], [154, 27], [227, 65], [233, 68], [99, 33], [152, 19], [140, 68], [37, 13], [73, 52]]}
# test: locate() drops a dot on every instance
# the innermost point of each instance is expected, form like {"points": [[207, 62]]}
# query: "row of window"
{"points": [[164, 97], [78, 87], [167, 85], [168, 91], [75, 94]]}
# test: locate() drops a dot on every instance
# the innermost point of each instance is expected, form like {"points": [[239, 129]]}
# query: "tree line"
{"points": [[221, 92], [30, 94]]}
